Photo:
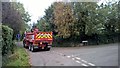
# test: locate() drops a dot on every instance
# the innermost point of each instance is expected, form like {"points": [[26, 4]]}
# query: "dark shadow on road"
{"points": [[37, 50]]}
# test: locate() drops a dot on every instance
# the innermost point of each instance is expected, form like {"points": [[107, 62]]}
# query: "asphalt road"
{"points": [[102, 55]]}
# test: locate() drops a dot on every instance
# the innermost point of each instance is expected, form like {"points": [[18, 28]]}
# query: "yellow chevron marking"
{"points": [[44, 36]]}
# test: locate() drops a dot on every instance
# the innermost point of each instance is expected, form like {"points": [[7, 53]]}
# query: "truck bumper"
{"points": [[43, 47], [49, 46], [36, 47]]}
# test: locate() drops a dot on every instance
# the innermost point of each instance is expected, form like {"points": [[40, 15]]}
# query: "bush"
{"points": [[7, 43], [103, 39], [94, 39]]}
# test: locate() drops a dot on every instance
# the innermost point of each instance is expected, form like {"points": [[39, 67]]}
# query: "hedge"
{"points": [[7, 42], [94, 39]]}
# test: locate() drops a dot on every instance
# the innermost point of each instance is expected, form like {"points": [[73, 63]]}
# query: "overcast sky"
{"points": [[36, 8]]}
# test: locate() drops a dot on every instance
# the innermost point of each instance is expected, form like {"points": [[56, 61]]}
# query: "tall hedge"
{"points": [[7, 42]]}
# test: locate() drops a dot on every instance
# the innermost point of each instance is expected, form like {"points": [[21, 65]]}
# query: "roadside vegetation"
{"points": [[11, 54], [14, 21], [19, 58], [74, 22]]}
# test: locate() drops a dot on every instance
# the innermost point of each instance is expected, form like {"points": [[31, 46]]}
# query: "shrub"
{"points": [[7, 42]]}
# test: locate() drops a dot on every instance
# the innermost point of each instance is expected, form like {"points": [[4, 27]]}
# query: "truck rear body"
{"points": [[39, 39]]}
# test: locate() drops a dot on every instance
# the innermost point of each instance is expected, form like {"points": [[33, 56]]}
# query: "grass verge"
{"points": [[19, 58]]}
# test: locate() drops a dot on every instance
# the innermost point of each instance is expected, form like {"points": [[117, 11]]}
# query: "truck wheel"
{"points": [[48, 49], [29, 48], [32, 48], [23, 44]]}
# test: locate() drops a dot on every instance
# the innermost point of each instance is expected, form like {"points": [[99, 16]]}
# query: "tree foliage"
{"points": [[63, 19], [15, 16], [83, 21]]}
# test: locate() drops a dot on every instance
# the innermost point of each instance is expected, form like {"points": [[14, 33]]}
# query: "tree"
{"points": [[15, 16], [43, 25], [63, 19], [49, 17]]}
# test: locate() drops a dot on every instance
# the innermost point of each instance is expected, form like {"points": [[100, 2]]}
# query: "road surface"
{"points": [[103, 55]]}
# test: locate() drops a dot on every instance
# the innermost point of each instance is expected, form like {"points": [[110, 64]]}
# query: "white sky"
{"points": [[36, 8]]}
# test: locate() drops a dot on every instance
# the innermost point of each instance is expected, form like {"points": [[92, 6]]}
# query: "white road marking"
{"points": [[84, 64], [84, 61], [68, 56], [91, 64], [78, 58], [78, 61]]}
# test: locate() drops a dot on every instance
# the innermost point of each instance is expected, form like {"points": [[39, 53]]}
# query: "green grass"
{"points": [[19, 58]]}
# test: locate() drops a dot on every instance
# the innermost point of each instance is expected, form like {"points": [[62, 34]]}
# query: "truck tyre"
{"points": [[23, 44], [29, 48], [47, 49], [32, 48]]}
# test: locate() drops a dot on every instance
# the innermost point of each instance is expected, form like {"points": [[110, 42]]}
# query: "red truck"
{"points": [[38, 40]]}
